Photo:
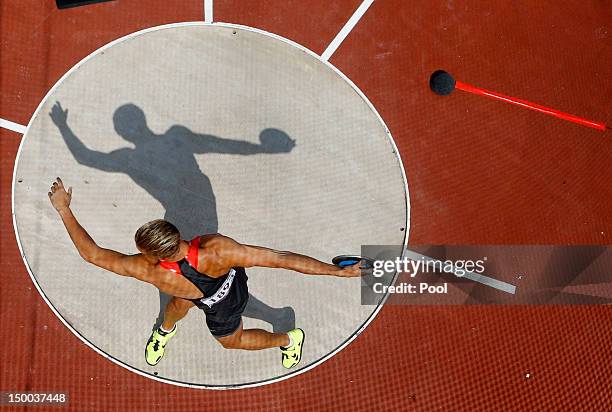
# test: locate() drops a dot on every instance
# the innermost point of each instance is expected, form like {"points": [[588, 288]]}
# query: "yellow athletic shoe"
{"points": [[154, 350], [293, 354]]}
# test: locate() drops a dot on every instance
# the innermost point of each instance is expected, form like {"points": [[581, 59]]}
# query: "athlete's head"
{"points": [[158, 238], [130, 122]]}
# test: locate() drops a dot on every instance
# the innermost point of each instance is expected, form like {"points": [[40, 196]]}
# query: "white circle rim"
{"points": [[171, 381]]}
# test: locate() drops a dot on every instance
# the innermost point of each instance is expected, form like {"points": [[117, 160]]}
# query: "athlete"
{"points": [[207, 272]]}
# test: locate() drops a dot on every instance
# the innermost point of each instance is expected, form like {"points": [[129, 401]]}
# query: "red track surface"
{"points": [[479, 172]]}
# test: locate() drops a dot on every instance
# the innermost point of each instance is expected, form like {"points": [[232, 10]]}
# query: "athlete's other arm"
{"points": [[111, 260], [249, 256]]}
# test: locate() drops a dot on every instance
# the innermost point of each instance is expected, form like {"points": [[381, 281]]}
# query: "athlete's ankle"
{"points": [[289, 342], [167, 330]]}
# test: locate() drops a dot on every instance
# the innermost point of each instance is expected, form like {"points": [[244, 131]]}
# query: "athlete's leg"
{"points": [[176, 310], [253, 339]]}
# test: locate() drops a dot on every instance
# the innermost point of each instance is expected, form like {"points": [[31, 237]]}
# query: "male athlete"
{"points": [[207, 272]]}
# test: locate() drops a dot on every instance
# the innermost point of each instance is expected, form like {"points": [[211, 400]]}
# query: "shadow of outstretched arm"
{"points": [[107, 162], [271, 141]]}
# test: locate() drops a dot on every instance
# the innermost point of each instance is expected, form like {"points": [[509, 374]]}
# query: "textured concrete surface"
{"points": [[215, 129]]}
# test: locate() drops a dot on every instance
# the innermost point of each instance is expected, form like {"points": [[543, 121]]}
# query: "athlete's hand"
{"points": [[60, 198], [59, 115], [352, 271]]}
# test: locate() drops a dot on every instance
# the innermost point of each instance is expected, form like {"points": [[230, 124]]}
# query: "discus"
{"points": [[348, 260]]}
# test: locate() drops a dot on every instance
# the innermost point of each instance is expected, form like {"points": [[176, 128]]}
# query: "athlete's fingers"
{"points": [[50, 194], [59, 181], [353, 270], [53, 189], [70, 191]]}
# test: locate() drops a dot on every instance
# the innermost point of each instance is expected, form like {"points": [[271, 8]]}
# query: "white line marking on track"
{"points": [[485, 280], [346, 29], [16, 127], [208, 11]]}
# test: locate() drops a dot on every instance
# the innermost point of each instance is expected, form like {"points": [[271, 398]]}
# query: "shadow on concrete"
{"points": [[166, 167]]}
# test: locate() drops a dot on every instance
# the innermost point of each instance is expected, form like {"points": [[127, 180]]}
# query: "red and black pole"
{"points": [[443, 83]]}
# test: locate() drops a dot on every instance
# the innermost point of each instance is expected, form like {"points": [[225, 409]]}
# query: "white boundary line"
{"points": [[16, 127], [208, 11], [187, 384], [476, 277], [350, 24]]}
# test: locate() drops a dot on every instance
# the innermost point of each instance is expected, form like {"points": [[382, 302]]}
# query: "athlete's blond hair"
{"points": [[158, 238]]}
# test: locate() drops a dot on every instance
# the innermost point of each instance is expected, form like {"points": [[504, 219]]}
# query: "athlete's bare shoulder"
{"points": [[218, 253], [217, 241], [141, 268]]}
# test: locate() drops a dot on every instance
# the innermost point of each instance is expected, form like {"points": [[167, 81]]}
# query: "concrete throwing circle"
{"points": [[216, 128]]}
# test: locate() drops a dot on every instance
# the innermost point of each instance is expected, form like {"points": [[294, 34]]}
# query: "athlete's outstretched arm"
{"points": [[88, 249], [249, 256]]}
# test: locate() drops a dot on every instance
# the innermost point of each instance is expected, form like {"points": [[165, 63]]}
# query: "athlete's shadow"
{"points": [[166, 167]]}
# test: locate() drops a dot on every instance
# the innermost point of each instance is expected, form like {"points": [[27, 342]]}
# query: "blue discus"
{"points": [[348, 260]]}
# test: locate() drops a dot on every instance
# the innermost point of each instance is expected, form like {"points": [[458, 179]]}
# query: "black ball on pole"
{"points": [[441, 82]]}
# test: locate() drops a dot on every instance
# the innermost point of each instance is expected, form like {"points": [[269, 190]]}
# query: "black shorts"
{"points": [[223, 318]]}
